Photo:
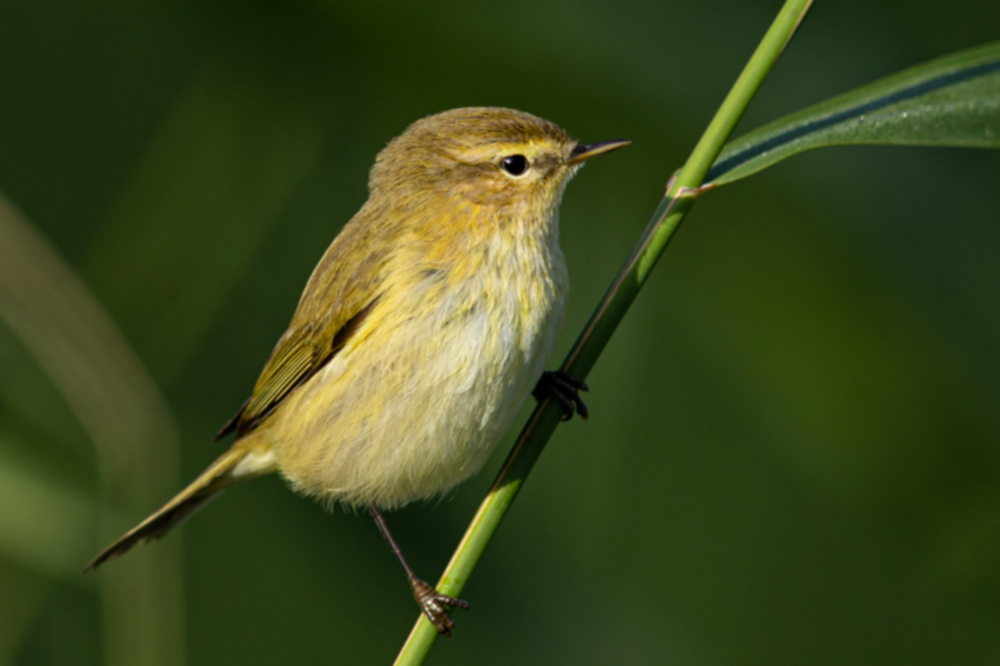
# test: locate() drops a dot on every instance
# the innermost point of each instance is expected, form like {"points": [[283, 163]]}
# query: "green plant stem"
{"points": [[595, 336]]}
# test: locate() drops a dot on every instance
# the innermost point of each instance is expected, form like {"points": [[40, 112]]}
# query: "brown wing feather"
{"points": [[293, 362], [294, 372], [230, 425], [340, 295]]}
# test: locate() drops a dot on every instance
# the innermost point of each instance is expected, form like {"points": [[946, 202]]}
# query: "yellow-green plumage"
{"points": [[468, 294], [422, 330]]}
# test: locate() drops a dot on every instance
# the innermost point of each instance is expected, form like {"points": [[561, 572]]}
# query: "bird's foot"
{"points": [[565, 389], [434, 605]]}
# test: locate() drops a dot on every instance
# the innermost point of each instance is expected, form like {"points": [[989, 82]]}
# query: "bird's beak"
{"points": [[584, 151]]}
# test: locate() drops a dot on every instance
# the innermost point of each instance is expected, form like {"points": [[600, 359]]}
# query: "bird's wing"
{"points": [[341, 294]]}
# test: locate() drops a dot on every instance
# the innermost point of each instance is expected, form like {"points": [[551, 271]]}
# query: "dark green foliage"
{"points": [[794, 445]]}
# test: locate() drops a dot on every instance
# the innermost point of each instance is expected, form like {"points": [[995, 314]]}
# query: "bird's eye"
{"points": [[515, 165]]}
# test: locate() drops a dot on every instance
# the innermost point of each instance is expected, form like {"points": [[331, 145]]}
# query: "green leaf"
{"points": [[951, 101]]}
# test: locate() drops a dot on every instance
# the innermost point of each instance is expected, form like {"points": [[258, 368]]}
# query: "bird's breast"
{"points": [[445, 361]]}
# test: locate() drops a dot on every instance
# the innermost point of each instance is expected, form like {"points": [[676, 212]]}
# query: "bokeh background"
{"points": [[794, 449]]}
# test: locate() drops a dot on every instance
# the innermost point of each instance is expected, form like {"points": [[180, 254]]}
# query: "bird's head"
{"points": [[508, 162]]}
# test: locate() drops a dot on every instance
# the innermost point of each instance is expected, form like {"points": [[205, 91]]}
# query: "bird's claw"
{"points": [[434, 606], [565, 389]]}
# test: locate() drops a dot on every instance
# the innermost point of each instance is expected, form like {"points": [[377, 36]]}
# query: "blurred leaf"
{"points": [[43, 526], [21, 597], [952, 101], [110, 392]]}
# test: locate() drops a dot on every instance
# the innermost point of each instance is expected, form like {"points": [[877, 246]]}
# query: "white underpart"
{"points": [[420, 402], [255, 463]]}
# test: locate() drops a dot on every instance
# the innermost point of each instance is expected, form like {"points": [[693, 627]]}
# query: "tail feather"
{"points": [[212, 481]]}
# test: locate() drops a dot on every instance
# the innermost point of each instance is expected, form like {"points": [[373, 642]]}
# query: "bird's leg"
{"points": [[430, 601], [565, 389]]}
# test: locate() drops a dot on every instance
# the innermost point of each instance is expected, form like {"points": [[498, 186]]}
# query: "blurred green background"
{"points": [[794, 449]]}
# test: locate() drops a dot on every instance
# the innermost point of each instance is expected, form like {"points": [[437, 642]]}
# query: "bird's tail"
{"points": [[224, 472]]}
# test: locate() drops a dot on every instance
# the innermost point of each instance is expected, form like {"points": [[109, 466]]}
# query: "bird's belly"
{"points": [[419, 405]]}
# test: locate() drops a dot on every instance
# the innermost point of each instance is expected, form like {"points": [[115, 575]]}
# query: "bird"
{"points": [[421, 332]]}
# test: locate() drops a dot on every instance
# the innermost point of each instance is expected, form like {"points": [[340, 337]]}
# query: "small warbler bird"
{"points": [[421, 332]]}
